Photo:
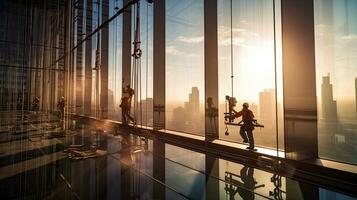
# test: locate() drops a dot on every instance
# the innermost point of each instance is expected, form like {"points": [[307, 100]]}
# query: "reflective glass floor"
{"points": [[41, 160]]}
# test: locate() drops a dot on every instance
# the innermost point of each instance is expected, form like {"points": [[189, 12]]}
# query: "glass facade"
{"points": [[246, 42], [336, 83], [64, 70], [145, 71], [185, 66], [32, 45], [54, 49], [115, 61]]}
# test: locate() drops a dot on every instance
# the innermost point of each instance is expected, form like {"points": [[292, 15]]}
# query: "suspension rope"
{"points": [[136, 59], [135, 65], [147, 63], [115, 30], [136, 72], [139, 65], [232, 61], [276, 83]]}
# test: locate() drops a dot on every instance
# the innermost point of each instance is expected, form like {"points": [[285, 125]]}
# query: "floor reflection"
{"points": [[243, 184], [41, 160]]}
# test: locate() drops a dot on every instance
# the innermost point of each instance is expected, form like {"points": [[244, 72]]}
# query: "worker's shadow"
{"points": [[245, 186]]}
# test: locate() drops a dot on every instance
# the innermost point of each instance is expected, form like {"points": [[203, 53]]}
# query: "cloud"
{"points": [[349, 37], [241, 37], [323, 30], [173, 51], [190, 40]]}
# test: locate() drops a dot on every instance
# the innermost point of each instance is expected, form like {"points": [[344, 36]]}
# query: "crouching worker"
{"points": [[246, 130], [125, 105]]}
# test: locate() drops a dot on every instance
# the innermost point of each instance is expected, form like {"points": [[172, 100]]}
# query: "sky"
{"points": [[253, 47]]}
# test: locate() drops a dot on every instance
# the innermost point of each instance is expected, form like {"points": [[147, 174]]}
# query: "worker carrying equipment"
{"points": [[125, 105], [247, 123], [232, 102]]}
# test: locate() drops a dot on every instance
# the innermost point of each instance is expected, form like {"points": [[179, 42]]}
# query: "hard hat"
{"points": [[246, 105]]}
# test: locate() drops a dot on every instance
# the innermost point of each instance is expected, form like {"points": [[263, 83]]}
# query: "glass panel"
{"points": [[77, 100], [248, 182], [145, 91], [115, 61], [336, 72], [95, 101], [328, 194], [32, 61], [184, 179], [256, 76], [185, 66]]}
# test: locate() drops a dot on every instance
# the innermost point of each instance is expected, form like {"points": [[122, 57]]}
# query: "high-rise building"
{"points": [[195, 99], [267, 104], [32, 54], [193, 104], [328, 105], [147, 112]]}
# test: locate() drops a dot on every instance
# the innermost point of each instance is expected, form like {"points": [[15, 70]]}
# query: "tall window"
{"points": [[185, 66], [336, 73], [246, 52], [144, 112], [115, 61]]}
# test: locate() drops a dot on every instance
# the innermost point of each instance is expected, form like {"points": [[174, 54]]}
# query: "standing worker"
{"points": [[60, 106], [246, 130], [125, 105]]}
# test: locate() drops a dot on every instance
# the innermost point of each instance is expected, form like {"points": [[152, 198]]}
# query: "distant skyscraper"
{"points": [[193, 104], [178, 118], [147, 112], [328, 105], [195, 99], [267, 104]]}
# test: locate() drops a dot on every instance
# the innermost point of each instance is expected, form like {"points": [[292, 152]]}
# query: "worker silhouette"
{"points": [[36, 103], [245, 186], [125, 105], [246, 189], [60, 106], [246, 130]]}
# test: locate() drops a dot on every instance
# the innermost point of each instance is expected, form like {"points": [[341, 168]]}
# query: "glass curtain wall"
{"points": [[76, 101], [143, 110], [185, 66], [32, 42], [87, 83], [336, 78], [246, 52], [115, 61], [95, 96]]}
